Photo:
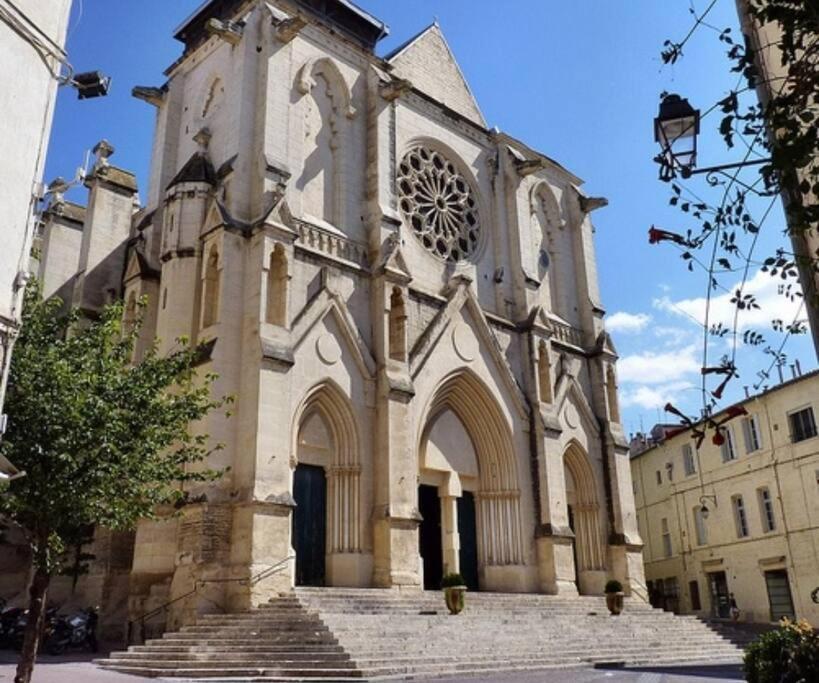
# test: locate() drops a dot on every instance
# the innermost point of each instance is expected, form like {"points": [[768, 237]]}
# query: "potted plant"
{"points": [[454, 589], [614, 596]]}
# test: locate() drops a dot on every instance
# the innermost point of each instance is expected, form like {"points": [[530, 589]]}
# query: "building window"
{"points": [[750, 431], [210, 304], [740, 518], [439, 204], [727, 448], [667, 547], [803, 425], [659, 477], [699, 526], [694, 589], [766, 509], [669, 466], [688, 460]]}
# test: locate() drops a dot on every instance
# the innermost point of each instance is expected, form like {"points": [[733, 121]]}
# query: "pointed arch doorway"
{"points": [[468, 481], [326, 522], [582, 501]]}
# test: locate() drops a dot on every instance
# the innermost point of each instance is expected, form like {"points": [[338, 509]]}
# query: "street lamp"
{"points": [[704, 511], [675, 129]]}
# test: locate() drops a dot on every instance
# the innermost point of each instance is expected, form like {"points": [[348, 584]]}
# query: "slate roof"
{"points": [[199, 169]]}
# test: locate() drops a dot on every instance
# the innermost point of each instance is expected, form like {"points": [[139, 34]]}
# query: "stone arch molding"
{"points": [[500, 535], [339, 89], [344, 471]]}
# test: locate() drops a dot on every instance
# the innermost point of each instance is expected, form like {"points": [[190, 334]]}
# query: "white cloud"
{"points": [[762, 286], [627, 323], [649, 398], [648, 368]]}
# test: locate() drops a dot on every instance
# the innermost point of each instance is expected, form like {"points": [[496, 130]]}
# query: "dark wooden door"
{"points": [[720, 605], [430, 541], [310, 524], [468, 533], [779, 595], [574, 548]]}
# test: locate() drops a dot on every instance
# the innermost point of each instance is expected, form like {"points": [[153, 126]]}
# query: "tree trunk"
{"points": [[34, 626]]}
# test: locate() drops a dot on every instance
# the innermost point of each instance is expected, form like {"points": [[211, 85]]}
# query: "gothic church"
{"points": [[403, 301]]}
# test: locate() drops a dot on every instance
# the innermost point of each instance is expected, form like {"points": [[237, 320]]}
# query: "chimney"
{"points": [[793, 370], [111, 197], [747, 393], [798, 367], [779, 370]]}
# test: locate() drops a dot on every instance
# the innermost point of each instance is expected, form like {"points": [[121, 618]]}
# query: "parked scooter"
{"points": [[8, 618], [75, 631], [17, 632]]}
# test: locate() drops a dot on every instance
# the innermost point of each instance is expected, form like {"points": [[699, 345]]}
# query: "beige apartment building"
{"points": [[738, 518]]}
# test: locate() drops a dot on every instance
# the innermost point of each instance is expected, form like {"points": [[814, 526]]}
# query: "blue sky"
{"points": [[579, 81]]}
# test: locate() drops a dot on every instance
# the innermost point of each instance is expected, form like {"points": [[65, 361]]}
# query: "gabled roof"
{"points": [[199, 169], [446, 83]]}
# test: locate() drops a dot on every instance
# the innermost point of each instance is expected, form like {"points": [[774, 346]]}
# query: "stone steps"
{"points": [[351, 633]]}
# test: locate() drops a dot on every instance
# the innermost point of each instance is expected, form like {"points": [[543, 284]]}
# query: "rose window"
{"points": [[439, 204]]}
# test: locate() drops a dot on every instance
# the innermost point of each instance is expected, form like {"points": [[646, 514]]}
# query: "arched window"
{"points": [[130, 318], [277, 280], [611, 394], [398, 326], [544, 371], [210, 303]]}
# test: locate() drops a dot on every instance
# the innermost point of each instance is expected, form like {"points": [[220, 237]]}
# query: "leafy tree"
{"points": [[103, 439], [789, 654]]}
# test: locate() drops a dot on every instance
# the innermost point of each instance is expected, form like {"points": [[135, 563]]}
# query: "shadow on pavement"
{"points": [[730, 672]]}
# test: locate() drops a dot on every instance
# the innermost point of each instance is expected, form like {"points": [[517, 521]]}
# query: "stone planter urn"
{"points": [[454, 596], [454, 589], [614, 597]]}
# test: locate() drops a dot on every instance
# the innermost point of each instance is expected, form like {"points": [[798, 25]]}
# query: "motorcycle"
{"points": [[74, 631], [17, 631], [8, 618]]}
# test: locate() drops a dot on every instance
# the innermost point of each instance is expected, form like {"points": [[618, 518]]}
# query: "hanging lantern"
{"points": [[675, 129]]}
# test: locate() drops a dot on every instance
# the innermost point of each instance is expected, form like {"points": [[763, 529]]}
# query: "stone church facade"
{"points": [[403, 302]]}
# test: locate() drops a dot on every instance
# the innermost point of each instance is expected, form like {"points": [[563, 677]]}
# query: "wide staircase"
{"points": [[339, 633]]}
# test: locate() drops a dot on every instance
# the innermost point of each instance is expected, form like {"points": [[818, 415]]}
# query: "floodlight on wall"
{"points": [[90, 84]]}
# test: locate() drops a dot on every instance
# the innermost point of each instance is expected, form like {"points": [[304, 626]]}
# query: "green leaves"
{"points": [[103, 440]]}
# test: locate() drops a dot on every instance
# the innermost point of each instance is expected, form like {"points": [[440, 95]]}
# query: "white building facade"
{"points": [[32, 39]]}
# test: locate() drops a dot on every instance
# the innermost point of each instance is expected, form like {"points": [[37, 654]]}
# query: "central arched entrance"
{"points": [[584, 512], [448, 539], [469, 495]]}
